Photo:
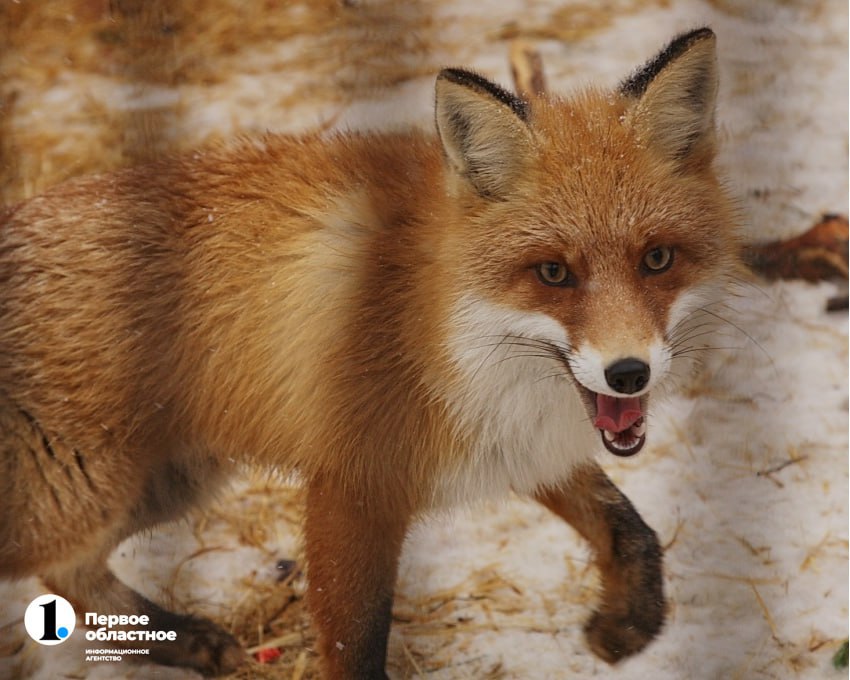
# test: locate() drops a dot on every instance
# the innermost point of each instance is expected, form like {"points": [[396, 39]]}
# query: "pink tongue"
{"points": [[615, 414]]}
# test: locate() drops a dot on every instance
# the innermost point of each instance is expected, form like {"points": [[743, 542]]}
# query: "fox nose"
{"points": [[627, 376]]}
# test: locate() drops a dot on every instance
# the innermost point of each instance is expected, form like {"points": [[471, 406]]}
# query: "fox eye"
{"points": [[658, 260], [554, 274]]}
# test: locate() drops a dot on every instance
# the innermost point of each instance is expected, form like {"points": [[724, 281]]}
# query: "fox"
{"points": [[405, 320]]}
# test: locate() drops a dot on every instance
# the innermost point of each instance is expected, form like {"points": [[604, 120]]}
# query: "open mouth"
{"points": [[621, 421]]}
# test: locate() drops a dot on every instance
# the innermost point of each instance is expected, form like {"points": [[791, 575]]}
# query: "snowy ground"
{"points": [[746, 476]]}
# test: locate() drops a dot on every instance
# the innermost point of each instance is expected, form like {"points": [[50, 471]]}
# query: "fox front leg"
{"points": [[352, 550], [628, 556]]}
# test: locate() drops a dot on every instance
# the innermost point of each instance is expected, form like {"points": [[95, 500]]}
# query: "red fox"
{"points": [[407, 320]]}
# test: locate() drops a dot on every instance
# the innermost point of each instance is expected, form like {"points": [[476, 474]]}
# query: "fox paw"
{"points": [[614, 637], [201, 645]]}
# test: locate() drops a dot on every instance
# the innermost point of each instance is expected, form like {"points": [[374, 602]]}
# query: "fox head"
{"points": [[591, 237]]}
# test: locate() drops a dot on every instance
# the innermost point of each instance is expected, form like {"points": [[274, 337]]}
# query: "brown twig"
{"points": [[526, 69], [780, 466]]}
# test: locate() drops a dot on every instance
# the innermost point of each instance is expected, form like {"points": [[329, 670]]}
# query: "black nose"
{"points": [[627, 376]]}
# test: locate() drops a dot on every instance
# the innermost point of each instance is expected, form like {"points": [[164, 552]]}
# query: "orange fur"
{"points": [[311, 304]]}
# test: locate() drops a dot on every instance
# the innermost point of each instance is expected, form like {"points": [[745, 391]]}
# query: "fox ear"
{"points": [[483, 129], [675, 95]]}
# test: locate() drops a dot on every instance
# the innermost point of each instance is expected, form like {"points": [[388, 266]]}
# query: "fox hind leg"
{"points": [[629, 558], [199, 644], [63, 511]]}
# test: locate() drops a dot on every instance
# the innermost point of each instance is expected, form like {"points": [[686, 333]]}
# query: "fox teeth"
{"points": [[610, 436], [639, 429]]}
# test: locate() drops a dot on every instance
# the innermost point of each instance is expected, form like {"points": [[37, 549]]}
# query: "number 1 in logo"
{"points": [[50, 619], [51, 631]]}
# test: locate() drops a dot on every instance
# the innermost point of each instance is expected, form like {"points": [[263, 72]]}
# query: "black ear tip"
{"points": [[467, 78], [458, 75], [480, 84], [636, 84], [684, 41], [696, 35]]}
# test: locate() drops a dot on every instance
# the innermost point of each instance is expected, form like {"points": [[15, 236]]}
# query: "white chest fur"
{"points": [[527, 424]]}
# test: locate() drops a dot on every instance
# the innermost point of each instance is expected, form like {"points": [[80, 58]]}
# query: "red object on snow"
{"points": [[267, 655]]}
